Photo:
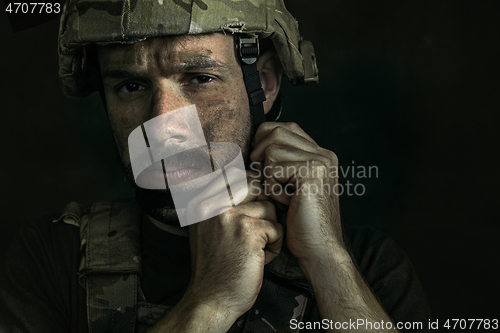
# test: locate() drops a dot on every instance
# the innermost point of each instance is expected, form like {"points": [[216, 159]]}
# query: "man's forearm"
{"points": [[342, 294], [193, 318]]}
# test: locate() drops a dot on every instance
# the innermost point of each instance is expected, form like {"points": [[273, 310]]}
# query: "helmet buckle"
{"points": [[249, 49]]}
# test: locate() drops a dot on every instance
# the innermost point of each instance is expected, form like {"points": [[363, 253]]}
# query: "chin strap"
{"points": [[249, 51]]}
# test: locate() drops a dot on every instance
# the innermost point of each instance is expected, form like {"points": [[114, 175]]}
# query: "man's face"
{"points": [[159, 75]]}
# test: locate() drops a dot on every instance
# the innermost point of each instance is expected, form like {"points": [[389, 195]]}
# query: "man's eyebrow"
{"points": [[189, 65], [198, 64]]}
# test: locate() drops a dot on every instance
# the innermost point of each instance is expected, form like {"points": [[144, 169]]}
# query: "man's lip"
{"points": [[176, 168], [179, 170], [180, 174]]}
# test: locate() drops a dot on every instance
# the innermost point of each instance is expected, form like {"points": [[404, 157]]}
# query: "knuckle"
{"points": [[244, 223], [293, 126], [271, 148], [279, 228], [231, 214], [256, 158], [278, 131], [333, 157], [267, 206], [262, 127]]}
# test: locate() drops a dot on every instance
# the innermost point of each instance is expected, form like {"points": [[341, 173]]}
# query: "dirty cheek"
{"points": [[121, 126]]}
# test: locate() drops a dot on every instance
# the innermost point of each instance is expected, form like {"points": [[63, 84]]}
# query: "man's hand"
{"points": [[228, 254], [230, 250], [303, 176]]}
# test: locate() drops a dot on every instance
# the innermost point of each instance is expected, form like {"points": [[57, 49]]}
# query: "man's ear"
{"points": [[270, 72]]}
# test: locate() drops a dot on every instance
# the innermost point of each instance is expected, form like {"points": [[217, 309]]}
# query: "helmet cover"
{"points": [[85, 22]]}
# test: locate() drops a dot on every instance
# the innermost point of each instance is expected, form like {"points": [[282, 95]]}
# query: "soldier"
{"points": [[200, 81]]}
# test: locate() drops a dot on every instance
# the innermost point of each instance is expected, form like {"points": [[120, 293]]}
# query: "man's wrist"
{"points": [[215, 316]]}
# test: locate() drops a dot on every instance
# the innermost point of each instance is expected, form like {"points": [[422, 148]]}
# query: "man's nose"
{"points": [[174, 120], [168, 125]]}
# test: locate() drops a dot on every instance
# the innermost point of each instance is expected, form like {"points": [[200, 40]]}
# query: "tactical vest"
{"points": [[110, 271]]}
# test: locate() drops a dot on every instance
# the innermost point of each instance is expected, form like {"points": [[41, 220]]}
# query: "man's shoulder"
{"points": [[46, 238], [38, 280], [60, 231], [368, 242], [375, 252], [47, 228], [389, 273]]}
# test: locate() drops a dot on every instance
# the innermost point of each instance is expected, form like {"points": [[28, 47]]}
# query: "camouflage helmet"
{"points": [[86, 22]]}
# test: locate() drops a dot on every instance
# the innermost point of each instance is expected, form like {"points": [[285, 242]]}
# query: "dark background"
{"points": [[411, 87]]}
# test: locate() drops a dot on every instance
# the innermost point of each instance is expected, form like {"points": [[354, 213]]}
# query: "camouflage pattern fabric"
{"points": [[110, 265], [127, 21]]}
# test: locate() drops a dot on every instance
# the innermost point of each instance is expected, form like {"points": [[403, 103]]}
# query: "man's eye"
{"points": [[201, 79], [131, 87]]}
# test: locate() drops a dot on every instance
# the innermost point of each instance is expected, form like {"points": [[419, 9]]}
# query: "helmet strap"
{"points": [[249, 52]]}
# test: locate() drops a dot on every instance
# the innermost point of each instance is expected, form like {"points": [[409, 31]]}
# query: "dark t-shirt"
{"points": [[165, 257], [39, 291]]}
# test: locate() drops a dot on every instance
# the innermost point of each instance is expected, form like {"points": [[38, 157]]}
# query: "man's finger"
{"points": [[282, 136], [263, 210], [274, 232], [265, 128]]}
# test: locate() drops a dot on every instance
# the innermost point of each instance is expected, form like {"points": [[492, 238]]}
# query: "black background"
{"points": [[411, 87]]}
